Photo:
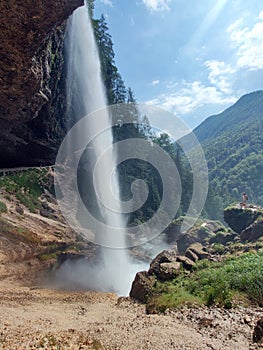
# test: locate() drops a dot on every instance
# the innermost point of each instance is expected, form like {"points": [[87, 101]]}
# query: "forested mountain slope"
{"points": [[248, 109], [232, 142]]}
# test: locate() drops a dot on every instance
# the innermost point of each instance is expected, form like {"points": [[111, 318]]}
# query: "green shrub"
{"points": [[214, 283], [218, 248]]}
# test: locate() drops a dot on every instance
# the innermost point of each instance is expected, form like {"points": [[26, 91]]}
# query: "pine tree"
{"points": [[111, 78]]}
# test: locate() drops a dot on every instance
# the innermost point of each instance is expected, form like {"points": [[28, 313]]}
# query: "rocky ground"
{"points": [[36, 317], [39, 318]]}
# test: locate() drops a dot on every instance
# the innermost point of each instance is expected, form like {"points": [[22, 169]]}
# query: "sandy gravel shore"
{"points": [[37, 318]]}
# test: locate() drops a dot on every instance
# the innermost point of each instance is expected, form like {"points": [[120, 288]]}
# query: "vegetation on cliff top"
{"points": [[232, 142]]}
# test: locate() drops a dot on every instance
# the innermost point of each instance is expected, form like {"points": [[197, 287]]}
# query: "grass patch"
{"points": [[3, 208], [18, 233], [47, 257], [214, 283], [27, 186]]}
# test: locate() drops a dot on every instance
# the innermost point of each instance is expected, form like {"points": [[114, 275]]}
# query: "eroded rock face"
{"points": [[240, 218], [31, 44]]}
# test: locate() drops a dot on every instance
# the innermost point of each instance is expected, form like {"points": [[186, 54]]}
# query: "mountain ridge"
{"points": [[232, 143], [211, 126]]}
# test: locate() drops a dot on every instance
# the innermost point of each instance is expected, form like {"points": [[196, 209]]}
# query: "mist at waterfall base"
{"points": [[114, 271]]}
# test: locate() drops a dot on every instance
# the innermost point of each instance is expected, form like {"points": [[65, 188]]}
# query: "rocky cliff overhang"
{"points": [[26, 31]]}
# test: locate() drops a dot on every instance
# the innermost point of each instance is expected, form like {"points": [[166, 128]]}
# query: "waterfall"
{"points": [[86, 94]]}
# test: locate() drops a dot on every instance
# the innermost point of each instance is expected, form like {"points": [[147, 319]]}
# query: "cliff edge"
{"points": [[31, 107]]}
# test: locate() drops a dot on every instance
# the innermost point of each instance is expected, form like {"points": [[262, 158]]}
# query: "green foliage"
{"points": [[27, 186], [218, 248], [215, 283], [114, 85], [3, 208], [134, 169], [171, 298], [232, 143]]}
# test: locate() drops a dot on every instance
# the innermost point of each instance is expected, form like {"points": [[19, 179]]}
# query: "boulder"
{"points": [[142, 286], [223, 238], [240, 218], [253, 232], [186, 262], [258, 331], [213, 226], [173, 231], [198, 250], [19, 210], [191, 255], [168, 270], [207, 230], [185, 241], [166, 256]]}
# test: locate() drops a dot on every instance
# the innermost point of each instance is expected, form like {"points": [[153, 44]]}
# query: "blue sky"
{"points": [[193, 58]]}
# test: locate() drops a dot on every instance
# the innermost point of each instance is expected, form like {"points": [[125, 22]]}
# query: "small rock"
{"points": [[247, 319], [19, 210]]}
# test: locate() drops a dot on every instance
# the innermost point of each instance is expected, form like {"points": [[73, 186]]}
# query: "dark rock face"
{"points": [[31, 44], [258, 331], [185, 241], [252, 232], [239, 219], [223, 238], [142, 286]]}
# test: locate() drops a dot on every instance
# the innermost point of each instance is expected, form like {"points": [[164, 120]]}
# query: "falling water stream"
{"points": [[86, 94]]}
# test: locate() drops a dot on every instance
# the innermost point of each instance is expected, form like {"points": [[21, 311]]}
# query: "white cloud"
{"points": [[249, 43], [155, 82], [190, 97], [220, 75], [157, 5], [107, 2]]}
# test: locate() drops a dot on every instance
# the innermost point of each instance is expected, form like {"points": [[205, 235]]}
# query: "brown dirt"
{"points": [[34, 318]]}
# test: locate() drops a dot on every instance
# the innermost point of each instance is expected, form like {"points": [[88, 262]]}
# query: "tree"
{"points": [[90, 4], [113, 82]]}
